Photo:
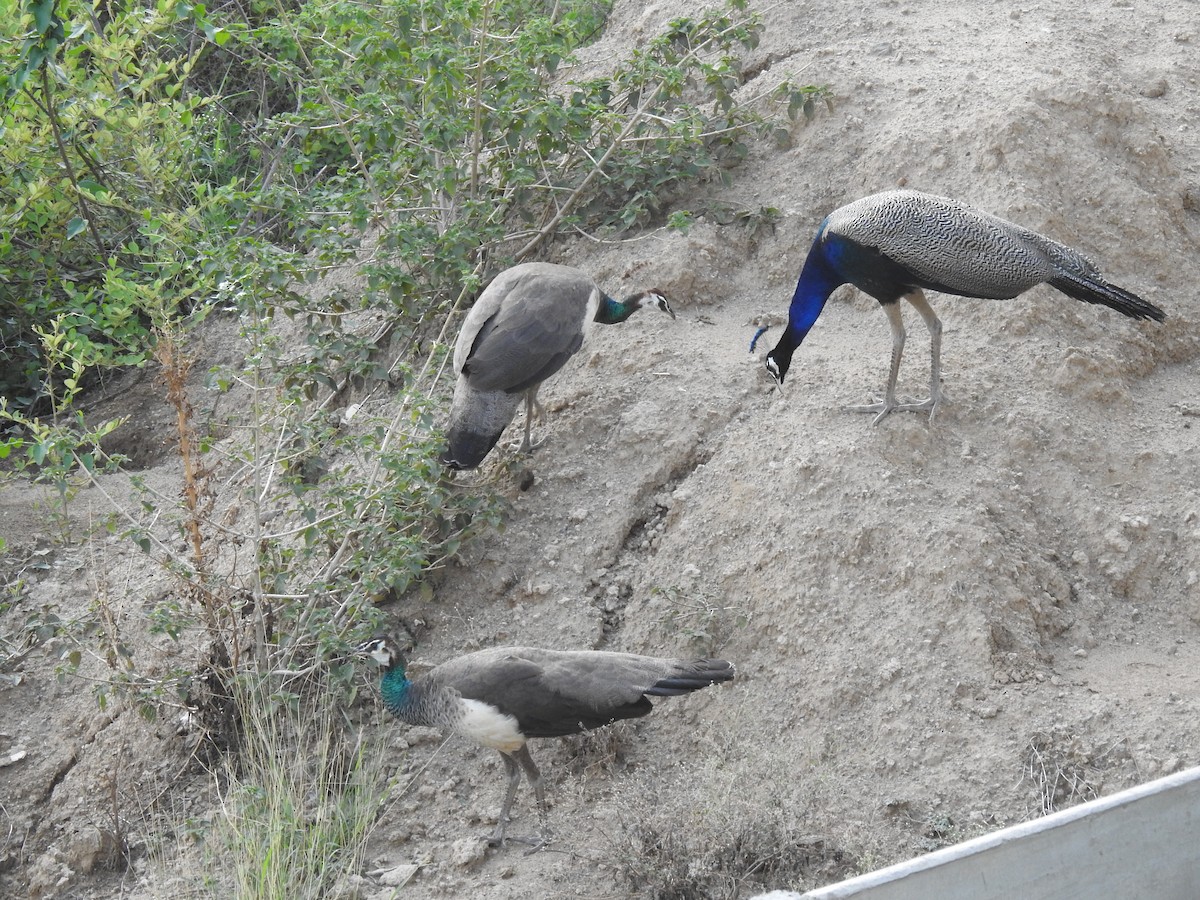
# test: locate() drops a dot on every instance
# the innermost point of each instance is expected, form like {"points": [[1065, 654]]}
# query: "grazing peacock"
{"points": [[898, 244], [503, 696], [524, 327]]}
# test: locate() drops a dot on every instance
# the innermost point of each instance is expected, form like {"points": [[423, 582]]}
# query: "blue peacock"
{"points": [[899, 244]]}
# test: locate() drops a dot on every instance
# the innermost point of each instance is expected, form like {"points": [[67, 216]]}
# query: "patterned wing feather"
{"points": [[947, 245]]}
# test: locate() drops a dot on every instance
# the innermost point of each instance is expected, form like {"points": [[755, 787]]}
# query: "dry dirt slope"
{"points": [[938, 628], [930, 623]]}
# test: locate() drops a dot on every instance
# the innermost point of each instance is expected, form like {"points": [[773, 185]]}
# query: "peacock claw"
{"points": [[883, 407]]}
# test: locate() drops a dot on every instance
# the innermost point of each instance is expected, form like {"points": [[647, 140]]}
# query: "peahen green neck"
{"points": [[611, 312], [394, 686]]}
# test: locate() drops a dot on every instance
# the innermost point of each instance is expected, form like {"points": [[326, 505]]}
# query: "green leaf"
{"points": [[75, 226], [216, 34], [43, 15]]}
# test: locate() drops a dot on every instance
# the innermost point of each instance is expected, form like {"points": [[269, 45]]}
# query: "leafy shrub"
{"points": [[181, 160], [102, 224]]}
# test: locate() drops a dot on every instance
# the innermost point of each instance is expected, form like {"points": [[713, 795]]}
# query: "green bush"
{"points": [[102, 225], [179, 160]]}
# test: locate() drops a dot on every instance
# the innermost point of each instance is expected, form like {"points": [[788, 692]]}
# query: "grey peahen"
{"points": [[503, 696], [521, 330]]}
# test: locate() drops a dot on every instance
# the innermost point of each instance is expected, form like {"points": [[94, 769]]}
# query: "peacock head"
{"points": [[778, 365], [779, 360], [383, 650]]}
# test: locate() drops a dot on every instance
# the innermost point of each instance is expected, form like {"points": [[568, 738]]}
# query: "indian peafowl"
{"points": [[898, 244], [521, 330], [503, 696]]}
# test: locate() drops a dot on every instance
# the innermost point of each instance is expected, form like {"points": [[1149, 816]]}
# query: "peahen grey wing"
{"points": [[538, 326], [554, 693]]}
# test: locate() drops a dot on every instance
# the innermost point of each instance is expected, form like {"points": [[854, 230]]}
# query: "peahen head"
{"points": [[612, 312], [384, 651], [656, 299], [395, 688]]}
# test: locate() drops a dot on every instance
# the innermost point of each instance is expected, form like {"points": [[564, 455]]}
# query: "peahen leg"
{"points": [[539, 792], [513, 763], [510, 793], [532, 406]]}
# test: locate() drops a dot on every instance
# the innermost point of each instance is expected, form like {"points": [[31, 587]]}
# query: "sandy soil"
{"points": [[940, 629]]}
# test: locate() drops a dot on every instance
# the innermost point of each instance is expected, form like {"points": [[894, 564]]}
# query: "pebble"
{"points": [[467, 852], [1154, 89], [398, 876]]}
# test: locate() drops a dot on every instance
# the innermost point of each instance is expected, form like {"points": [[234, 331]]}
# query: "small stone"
{"points": [[350, 887], [92, 849], [468, 852], [1154, 89], [398, 876]]}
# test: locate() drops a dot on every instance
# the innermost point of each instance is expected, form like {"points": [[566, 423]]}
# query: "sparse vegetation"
{"points": [[295, 823], [736, 838], [700, 619], [1063, 772]]}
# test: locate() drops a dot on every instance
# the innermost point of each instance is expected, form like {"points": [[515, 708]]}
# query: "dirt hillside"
{"points": [[939, 628]]}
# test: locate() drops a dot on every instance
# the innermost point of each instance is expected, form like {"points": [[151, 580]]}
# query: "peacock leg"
{"points": [[888, 403]]}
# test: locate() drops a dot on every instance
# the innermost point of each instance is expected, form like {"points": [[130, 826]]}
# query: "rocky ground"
{"points": [[939, 628]]}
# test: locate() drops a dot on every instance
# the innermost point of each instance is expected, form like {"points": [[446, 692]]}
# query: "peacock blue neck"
{"points": [[394, 686], [818, 279], [611, 312]]}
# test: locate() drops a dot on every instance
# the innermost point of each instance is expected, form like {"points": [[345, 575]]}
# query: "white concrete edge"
{"points": [[989, 841]]}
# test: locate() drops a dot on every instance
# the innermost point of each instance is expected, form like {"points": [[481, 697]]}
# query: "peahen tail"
{"points": [[693, 676]]}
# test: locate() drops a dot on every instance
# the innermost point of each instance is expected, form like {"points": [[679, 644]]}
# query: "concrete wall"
{"points": [[1140, 843]]}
